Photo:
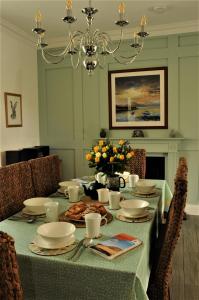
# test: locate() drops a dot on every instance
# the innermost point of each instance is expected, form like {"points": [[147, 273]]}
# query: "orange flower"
{"points": [[96, 149], [129, 155], [97, 159], [114, 149], [121, 156], [88, 156], [132, 153], [121, 142], [104, 149]]}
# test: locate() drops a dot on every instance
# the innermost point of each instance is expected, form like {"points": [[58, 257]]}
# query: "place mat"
{"points": [[134, 220], [152, 195], [50, 252], [81, 223]]}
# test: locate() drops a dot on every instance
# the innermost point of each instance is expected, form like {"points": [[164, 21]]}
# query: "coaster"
{"points": [[136, 220], [51, 252]]}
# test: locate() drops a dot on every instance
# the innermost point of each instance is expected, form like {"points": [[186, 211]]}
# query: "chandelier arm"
{"points": [[138, 50], [112, 51], [51, 62], [75, 66], [61, 54]]}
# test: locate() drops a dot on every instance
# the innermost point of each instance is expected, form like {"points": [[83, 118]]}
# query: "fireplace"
{"points": [[155, 167]]}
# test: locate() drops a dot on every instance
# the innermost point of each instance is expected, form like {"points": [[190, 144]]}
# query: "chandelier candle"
{"points": [[90, 47]]}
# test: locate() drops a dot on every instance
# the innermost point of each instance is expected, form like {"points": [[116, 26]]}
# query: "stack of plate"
{"points": [[145, 187], [55, 235]]}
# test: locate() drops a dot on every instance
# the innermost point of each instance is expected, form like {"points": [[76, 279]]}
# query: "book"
{"points": [[116, 245]]}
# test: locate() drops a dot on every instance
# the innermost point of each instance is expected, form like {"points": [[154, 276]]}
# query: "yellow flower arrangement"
{"points": [[109, 158]]}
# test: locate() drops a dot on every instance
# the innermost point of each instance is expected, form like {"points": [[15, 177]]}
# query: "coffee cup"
{"points": [[133, 178], [73, 193], [51, 209], [114, 199], [103, 195], [93, 222]]}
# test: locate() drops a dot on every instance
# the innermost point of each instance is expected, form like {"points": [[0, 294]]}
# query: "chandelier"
{"points": [[91, 47]]}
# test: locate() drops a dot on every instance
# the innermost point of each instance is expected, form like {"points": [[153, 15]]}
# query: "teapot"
{"points": [[91, 190]]}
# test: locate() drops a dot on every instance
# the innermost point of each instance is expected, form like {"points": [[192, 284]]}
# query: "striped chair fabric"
{"points": [[160, 277], [10, 285], [45, 174], [15, 187]]}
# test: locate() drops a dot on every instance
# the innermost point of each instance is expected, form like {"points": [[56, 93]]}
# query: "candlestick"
{"points": [[143, 22], [121, 10], [69, 7], [38, 18]]}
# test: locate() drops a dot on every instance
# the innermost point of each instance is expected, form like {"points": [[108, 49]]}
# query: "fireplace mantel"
{"points": [[167, 147]]}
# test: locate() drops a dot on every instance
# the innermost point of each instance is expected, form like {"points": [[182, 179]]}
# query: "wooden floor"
{"points": [[185, 276]]}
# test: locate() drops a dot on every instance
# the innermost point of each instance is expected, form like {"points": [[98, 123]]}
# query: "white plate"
{"points": [[26, 211], [153, 191], [122, 213], [42, 243]]}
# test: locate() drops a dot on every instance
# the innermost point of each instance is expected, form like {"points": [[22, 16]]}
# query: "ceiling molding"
{"points": [[17, 31], [167, 29]]}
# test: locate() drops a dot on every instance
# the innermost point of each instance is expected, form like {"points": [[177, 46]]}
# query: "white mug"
{"points": [[93, 222], [103, 195], [73, 193], [114, 199], [51, 211], [133, 178]]}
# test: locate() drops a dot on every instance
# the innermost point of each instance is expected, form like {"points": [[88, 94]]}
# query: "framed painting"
{"points": [[138, 98], [13, 110]]}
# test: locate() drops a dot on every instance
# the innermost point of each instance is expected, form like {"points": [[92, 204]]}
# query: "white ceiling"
{"points": [[22, 13]]}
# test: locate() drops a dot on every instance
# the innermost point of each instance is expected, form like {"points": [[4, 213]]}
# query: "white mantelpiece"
{"points": [[167, 147]]}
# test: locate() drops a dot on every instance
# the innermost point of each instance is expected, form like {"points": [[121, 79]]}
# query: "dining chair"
{"points": [[137, 164], [15, 187], [160, 277], [45, 174], [10, 284]]}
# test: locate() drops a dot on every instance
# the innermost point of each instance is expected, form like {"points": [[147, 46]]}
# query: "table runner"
{"points": [[92, 277]]}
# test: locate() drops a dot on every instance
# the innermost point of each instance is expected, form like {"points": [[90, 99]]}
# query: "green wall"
{"points": [[74, 106]]}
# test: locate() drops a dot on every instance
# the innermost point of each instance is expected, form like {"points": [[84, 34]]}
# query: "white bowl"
{"points": [[56, 230], [53, 243], [134, 207], [145, 186], [36, 205]]}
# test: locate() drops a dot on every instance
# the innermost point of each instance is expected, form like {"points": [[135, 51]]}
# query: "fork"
{"points": [[85, 244]]}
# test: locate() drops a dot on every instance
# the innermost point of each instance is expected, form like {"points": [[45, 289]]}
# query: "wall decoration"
{"points": [[138, 98], [13, 110]]}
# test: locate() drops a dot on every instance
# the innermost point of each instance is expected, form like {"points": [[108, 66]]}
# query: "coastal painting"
{"points": [[138, 98]]}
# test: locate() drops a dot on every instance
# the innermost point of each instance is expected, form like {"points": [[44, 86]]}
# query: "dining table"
{"points": [[91, 276]]}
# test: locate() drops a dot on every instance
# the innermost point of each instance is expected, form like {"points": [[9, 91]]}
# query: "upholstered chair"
{"points": [[45, 174], [10, 285], [15, 187], [137, 164], [160, 277]]}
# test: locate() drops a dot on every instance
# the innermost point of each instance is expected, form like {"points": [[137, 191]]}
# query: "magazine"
{"points": [[116, 245]]}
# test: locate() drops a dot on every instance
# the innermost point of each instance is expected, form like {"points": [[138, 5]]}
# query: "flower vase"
{"points": [[115, 182]]}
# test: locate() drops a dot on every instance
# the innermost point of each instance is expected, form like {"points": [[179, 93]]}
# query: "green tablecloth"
{"points": [[92, 277]]}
